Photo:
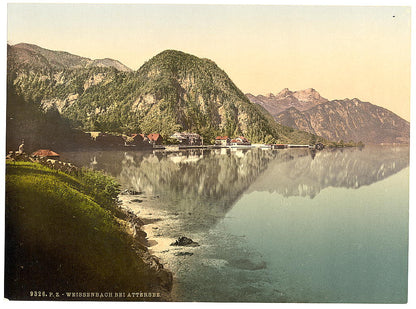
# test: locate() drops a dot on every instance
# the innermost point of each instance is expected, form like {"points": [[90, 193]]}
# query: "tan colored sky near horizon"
{"points": [[341, 51]]}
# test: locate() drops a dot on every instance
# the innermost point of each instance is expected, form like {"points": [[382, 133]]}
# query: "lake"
{"points": [[293, 225]]}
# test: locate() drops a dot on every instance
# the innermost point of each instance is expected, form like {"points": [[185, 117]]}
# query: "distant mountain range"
{"points": [[28, 56], [173, 91], [346, 120]]}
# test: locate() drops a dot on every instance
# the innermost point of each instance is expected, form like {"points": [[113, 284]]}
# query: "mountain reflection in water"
{"points": [[205, 184], [306, 173]]}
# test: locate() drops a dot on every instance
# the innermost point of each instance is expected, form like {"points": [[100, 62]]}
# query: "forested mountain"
{"points": [[173, 91]]}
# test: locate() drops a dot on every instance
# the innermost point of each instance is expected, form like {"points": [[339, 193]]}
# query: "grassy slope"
{"points": [[59, 239]]}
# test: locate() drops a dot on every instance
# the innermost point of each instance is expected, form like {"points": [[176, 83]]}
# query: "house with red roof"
{"points": [[222, 140], [46, 153], [155, 138], [240, 141]]}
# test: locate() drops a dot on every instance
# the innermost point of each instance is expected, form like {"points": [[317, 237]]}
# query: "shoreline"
{"points": [[161, 228], [139, 227]]}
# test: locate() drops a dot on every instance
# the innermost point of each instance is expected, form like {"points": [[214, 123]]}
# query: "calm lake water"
{"points": [[273, 225]]}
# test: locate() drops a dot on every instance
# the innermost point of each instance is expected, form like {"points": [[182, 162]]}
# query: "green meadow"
{"points": [[63, 235]]}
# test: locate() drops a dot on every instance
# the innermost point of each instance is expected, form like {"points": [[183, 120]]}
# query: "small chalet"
{"points": [[239, 141], [222, 140], [186, 138], [155, 138], [46, 153], [180, 137]]}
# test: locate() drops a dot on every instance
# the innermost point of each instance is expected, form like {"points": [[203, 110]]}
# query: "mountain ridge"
{"points": [[34, 55], [173, 91], [337, 120], [300, 99]]}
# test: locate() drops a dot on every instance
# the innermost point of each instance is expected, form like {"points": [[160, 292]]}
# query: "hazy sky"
{"points": [[341, 51]]}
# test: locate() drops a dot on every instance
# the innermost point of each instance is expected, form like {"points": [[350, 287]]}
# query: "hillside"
{"points": [[173, 91], [39, 129], [349, 120], [65, 234]]}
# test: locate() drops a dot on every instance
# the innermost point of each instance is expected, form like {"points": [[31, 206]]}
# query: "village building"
{"points": [[180, 137], [222, 140], [186, 138], [46, 153], [240, 141], [155, 138]]}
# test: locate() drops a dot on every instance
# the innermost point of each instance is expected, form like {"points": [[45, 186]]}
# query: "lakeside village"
{"points": [[185, 140], [177, 141]]}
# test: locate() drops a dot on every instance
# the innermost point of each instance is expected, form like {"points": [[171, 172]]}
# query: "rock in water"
{"points": [[184, 241], [130, 192]]}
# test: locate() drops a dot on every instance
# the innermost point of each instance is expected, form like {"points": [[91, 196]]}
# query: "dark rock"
{"points": [[185, 241], [130, 192], [183, 254], [136, 200], [165, 279]]}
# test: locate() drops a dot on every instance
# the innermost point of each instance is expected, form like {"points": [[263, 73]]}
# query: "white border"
{"points": [[3, 70]]}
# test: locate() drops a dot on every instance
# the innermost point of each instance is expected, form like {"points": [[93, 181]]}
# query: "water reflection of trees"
{"points": [[205, 184], [200, 184], [307, 175]]}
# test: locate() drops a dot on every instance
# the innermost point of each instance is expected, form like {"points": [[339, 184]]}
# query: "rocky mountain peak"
{"points": [[309, 95], [284, 93], [300, 99]]}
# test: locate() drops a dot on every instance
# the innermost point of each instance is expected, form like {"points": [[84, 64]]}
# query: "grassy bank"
{"points": [[62, 235]]}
